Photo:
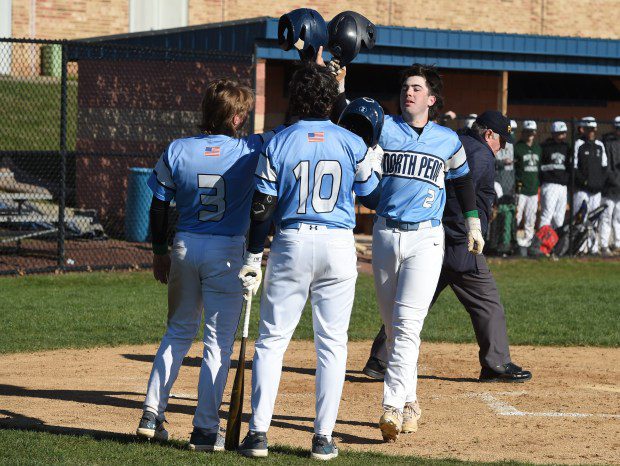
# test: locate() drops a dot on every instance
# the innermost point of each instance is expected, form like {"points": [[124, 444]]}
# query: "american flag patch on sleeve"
{"points": [[212, 151], [316, 137]]}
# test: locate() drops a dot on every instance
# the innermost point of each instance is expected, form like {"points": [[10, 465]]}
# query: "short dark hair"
{"points": [[223, 100], [433, 82], [313, 91], [478, 129]]}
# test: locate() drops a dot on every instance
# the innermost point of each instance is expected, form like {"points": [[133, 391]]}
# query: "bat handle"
{"points": [[246, 317]]}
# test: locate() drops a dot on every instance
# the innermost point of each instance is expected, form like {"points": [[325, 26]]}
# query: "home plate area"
{"points": [[568, 413]]}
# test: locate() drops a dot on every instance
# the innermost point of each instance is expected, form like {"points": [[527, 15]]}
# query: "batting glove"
{"points": [[475, 242], [251, 273], [339, 73], [376, 158]]}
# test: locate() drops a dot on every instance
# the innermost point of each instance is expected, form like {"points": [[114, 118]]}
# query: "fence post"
{"points": [[571, 187], [63, 157]]}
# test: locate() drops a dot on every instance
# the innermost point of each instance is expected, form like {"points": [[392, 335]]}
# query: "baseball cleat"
{"points": [[375, 368], [323, 449], [505, 373], [152, 428], [200, 440], [254, 445], [391, 423], [411, 416]]}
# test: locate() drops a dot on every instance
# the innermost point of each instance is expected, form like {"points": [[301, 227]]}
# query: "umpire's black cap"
{"points": [[500, 124]]}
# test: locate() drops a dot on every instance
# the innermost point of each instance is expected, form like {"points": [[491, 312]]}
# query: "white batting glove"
{"points": [[475, 242], [251, 273], [376, 158]]}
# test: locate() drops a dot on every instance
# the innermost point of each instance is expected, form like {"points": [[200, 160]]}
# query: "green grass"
{"points": [[31, 115], [27, 447], [547, 303]]}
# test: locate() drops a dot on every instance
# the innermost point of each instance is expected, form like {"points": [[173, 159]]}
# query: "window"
{"points": [[147, 15]]}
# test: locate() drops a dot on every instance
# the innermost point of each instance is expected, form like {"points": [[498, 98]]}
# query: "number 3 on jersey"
{"points": [[215, 198], [324, 168]]}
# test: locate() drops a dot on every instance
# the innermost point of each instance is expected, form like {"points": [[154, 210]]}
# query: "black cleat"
{"points": [[152, 428], [323, 449], [506, 373], [206, 441], [254, 445], [375, 368]]}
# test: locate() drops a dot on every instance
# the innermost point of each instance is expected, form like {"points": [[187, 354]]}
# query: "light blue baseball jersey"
{"points": [[212, 180], [314, 166], [414, 169]]}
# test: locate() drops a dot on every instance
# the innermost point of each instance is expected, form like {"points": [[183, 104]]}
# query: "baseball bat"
{"points": [[233, 426]]}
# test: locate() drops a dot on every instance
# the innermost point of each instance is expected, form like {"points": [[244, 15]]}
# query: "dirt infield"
{"points": [[569, 412]]}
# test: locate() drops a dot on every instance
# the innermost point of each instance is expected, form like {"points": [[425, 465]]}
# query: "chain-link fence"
{"points": [[542, 184], [83, 126]]}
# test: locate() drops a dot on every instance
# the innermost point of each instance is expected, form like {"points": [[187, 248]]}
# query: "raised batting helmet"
{"points": [[304, 29], [348, 32], [364, 117]]}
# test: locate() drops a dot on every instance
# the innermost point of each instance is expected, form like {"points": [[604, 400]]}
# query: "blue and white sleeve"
{"points": [[266, 175], [161, 182], [456, 166], [366, 180], [260, 140]]}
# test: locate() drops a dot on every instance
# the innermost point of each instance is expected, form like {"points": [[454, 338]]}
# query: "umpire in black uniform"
{"points": [[467, 274]]}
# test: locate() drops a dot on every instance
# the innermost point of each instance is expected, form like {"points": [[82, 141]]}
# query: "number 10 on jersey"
{"points": [[324, 168]]}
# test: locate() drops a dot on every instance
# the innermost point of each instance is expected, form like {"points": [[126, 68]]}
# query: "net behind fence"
{"points": [[84, 126]]}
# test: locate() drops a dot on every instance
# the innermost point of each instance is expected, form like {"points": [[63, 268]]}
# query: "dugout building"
{"points": [[525, 76]]}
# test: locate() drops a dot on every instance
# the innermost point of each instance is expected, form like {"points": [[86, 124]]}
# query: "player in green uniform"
{"points": [[527, 155]]}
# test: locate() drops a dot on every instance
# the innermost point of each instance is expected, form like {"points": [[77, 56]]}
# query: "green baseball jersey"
{"points": [[527, 167]]}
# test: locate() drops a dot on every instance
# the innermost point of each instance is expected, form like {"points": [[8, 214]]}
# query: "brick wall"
{"points": [[583, 18], [71, 19]]}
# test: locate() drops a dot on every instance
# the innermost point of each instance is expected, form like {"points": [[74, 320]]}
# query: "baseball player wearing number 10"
{"points": [[211, 177], [408, 238], [306, 178]]}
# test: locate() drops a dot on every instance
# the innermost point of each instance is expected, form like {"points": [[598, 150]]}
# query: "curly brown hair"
{"points": [[433, 82], [313, 91], [223, 100]]}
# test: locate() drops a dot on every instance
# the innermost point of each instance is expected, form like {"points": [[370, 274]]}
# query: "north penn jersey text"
{"points": [[414, 165]]}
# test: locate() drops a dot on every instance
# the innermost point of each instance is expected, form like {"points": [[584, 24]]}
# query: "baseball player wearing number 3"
{"points": [[306, 178], [408, 238], [211, 177]]}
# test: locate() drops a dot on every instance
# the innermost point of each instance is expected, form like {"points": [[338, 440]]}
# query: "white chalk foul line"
{"points": [[504, 409]]}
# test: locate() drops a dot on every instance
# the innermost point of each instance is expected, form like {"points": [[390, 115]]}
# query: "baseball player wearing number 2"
{"points": [[306, 179], [408, 238], [211, 177]]}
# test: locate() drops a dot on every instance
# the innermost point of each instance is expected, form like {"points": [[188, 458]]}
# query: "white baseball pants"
{"points": [[592, 201], [322, 263], [406, 266], [203, 274], [610, 218], [553, 200], [527, 206]]}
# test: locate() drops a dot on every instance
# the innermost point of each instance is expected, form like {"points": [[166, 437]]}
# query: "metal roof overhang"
{"points": [[401, 46]]}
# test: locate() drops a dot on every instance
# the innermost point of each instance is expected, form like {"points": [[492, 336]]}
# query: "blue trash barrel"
{"points": [[138, 204]]}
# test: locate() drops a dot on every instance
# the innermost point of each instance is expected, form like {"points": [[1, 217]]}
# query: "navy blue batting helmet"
{"points": [[303, 29], [348, 32], [364, 117]]}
